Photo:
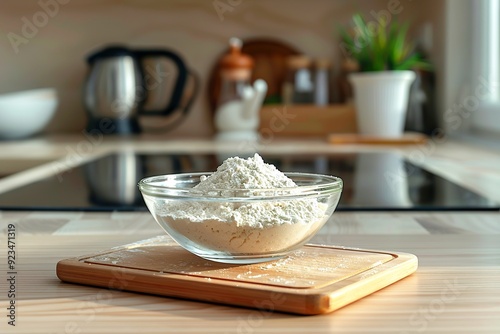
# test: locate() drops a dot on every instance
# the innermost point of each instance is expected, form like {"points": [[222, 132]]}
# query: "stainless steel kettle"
{"points": [[123, 84]]}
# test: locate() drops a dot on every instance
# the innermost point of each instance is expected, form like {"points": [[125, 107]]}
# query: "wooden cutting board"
{"points": [[312, 280]]}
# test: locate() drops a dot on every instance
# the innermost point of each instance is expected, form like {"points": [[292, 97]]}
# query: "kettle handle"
{"points": [[179, 85]]}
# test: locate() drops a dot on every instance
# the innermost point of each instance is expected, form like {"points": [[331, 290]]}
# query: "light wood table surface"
{"points": [[455, 290]]}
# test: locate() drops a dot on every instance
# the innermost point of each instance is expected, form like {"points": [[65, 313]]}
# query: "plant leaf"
{"points": [[381, 47], [413, 62]]}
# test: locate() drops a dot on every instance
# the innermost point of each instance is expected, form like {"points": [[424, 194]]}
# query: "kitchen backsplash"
{"points": [[45, 42]]}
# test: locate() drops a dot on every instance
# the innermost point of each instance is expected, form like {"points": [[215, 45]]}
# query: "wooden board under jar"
{"points": [[305, 120]]}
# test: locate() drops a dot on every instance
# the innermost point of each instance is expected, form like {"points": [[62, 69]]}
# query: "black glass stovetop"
{"points": [[372, 181]]}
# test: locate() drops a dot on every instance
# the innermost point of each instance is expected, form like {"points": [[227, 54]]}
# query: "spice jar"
{"points": [[298, 87], [235, 72], [345, 89], [321, 82], [238, 107]]}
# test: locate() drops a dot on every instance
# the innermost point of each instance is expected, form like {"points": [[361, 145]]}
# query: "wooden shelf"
{"points": [[307, 120]]}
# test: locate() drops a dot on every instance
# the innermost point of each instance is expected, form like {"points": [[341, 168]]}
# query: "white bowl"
{"points": [[23, 114]]}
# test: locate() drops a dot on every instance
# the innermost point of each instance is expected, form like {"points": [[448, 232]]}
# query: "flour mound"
{"points": [[251, 173]]}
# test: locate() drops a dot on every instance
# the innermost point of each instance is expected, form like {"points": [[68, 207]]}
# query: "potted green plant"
{"points": [[381, 87]]}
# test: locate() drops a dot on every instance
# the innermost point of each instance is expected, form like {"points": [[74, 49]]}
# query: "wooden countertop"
{"points": [[455, 290]]}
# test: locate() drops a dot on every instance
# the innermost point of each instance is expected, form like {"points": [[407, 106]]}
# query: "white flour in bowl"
{"points": [[244, 227]]}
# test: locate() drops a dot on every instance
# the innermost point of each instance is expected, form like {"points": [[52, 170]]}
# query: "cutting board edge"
{"points": [[406, 265], [193, 288], [300, 301]]}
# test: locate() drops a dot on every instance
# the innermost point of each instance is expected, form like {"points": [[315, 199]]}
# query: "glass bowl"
{"points": [[241, 225]]}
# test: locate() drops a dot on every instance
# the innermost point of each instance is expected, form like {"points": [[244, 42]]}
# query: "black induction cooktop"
{"points": [[372, 181]]}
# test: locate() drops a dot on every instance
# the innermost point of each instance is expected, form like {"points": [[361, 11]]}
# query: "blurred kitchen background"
{"points": [[55, 56], [199, 30], [47, 43]]}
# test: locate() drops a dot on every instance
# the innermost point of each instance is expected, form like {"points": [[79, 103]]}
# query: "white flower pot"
{"points": [[381, 100]]}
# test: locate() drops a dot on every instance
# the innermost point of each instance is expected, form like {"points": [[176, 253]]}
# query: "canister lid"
{"points": [[300, 61], [322, 63], [235, 59], [350, 65]]}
